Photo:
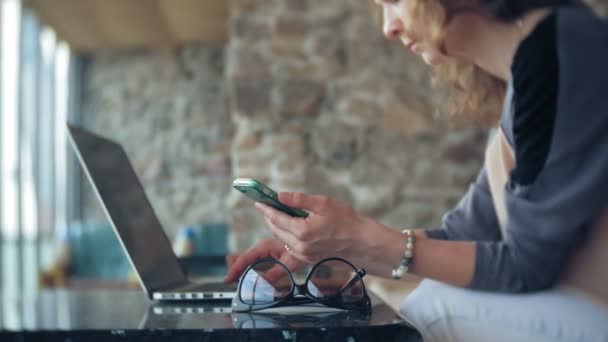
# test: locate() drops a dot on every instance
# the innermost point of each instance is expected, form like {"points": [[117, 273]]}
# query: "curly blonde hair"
{"points": [[468, 89]]}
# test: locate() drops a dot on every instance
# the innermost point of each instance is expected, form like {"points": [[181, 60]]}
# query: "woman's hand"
{"points": [[273, 248], [332, 229]]}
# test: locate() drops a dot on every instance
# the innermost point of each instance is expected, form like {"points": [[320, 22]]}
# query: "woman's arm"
{"points": [[473, 219], [451, 262], [333, 229]]}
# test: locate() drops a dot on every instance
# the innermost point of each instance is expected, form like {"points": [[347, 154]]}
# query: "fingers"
{"points": [[275, 274], [231, 258], [278, 273], [247, 258], [281, 220], [234, 272], [287, 238], [314, 204], [303, 251], [297, 233], [292, 263]]}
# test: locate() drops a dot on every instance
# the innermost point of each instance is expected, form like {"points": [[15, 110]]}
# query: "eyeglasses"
{"points": [[332, 282]]}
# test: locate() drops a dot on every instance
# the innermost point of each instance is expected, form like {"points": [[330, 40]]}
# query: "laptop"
{"points": [[138, 229]]}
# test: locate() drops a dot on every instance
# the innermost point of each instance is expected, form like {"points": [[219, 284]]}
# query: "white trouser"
{"points": [[443, 313]]}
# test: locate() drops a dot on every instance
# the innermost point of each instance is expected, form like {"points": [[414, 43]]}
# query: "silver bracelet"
{"points": [[408, 255]]}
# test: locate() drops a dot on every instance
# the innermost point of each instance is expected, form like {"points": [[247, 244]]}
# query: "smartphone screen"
{"points": [[259, 192]]}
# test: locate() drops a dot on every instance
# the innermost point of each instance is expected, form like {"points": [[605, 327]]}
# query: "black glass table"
{"points": [[121, 315]]}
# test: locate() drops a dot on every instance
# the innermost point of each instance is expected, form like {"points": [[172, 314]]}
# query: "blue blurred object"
{"points": [[210, 246], [97, 252], [183, 244], [210, 239]]}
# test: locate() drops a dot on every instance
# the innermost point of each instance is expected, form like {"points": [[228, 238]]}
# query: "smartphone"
{"points": [[259, 192]]}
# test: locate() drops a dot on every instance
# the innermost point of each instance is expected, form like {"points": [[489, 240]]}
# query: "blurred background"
{"points": [[305, 95]]}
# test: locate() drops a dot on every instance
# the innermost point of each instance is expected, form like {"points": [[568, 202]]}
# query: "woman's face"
{"points": [[398, 24]]}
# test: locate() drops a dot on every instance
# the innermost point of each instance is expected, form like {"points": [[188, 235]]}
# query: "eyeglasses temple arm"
{"points": [[360, 274]]}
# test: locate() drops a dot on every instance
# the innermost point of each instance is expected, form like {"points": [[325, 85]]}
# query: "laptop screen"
{"points": [[129, 210]]}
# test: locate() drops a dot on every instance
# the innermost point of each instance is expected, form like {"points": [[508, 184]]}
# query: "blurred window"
{"points": [[37, 171]]}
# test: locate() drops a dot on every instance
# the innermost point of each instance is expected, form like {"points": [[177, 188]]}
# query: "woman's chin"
{"points": [[431, 58]]}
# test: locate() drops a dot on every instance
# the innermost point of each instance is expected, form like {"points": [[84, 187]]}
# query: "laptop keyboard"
{"points": [[209, 287], [217, 287]]}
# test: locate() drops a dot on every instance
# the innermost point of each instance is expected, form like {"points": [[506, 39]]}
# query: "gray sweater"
{"points": [[555, 120]]}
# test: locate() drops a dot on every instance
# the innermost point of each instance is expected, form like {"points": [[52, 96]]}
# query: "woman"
{"points": [[544, 183]]}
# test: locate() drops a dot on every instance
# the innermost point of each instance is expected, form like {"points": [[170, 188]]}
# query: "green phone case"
{"points": [[259, 192]]}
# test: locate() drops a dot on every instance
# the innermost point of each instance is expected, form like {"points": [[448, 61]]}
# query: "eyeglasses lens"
{"points": [[266, 282], [334, 277]]}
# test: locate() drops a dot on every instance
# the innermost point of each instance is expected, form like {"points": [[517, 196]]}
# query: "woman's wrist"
{"points": [[408, 255], [382, 249], [379, 248]]}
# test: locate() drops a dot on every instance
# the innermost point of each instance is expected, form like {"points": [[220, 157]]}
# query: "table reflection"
{"points": [[100, 315], [66, 310], [444, 313], [309, 320]]}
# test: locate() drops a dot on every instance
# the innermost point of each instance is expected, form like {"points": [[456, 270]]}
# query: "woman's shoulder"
{"points": [[559, 72], [535, 78], [579, 32], [577, 19], [582, 47]]}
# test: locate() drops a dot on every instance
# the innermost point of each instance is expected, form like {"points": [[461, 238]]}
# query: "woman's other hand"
{"points": [[271, 248]]}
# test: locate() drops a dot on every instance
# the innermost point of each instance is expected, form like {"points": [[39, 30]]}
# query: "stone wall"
{"points": [[307, 96], [169, 112], [323, 104]]}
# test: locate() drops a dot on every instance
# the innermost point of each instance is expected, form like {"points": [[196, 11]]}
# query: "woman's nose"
{"points": [[393, 28]]}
